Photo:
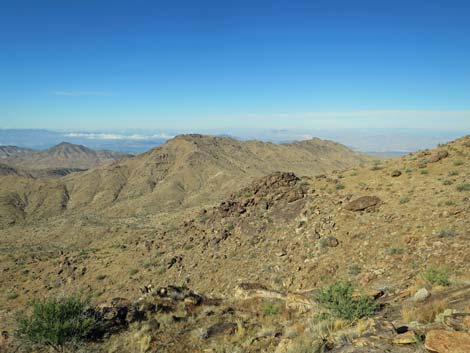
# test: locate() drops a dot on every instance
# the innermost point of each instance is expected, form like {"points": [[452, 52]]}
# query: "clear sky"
{"points": [[97, 64]]}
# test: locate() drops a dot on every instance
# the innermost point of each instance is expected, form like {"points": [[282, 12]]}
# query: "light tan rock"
{"points": [[441, 341], [405, 338]]}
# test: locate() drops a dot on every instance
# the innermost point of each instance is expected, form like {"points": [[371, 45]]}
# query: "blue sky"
{"points": [[97, 64]]}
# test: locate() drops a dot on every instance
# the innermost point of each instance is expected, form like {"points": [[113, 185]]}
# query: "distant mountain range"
{"points": [[186, 171], [58, 160], [389, 141]]}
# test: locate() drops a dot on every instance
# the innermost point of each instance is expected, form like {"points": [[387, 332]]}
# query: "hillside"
{"points": [[185, 172], [256, 260], [62, 156], [13, 151]]}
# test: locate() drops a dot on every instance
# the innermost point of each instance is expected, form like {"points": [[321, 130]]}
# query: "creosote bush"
{"points": [[55, 322], [339, 300], [437, 275]]}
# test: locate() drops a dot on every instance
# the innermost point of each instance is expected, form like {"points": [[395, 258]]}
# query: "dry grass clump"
{"points": [[425, 312]]}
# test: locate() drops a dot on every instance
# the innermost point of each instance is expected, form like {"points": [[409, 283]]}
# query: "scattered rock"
{"points": [[363, 203], [436, 157], [395, 173], [421, 295], [332, 242], [220, 329], [458, 321], [441, 341]]}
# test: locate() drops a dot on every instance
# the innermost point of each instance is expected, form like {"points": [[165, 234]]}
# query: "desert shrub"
{"points": [[100, 277], [55, 322], [395, 251], [404, 199], [463, 187], [447, 233], [447, 182], [453, 173], [437, 275], [424, 171], [271, 308], [339, 186], [458, 163], [133, 271], [339, 300], [12, 295], [354, 269]]}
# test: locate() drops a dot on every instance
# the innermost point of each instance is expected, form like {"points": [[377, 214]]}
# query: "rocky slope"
{"points": [[257, 259]]}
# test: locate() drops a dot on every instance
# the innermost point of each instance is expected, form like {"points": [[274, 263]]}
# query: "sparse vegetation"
{"points": [[437, 275], [423, 313], [339, 187], [100, 277], [395, 251], [133, 271], [354, 269], [453, 173], [55, 322], [404, 199], [424, 171], [339, 300], [463, 187], [447, 182], [458, 163], [271, 308], [447, 233], [12, 295]]}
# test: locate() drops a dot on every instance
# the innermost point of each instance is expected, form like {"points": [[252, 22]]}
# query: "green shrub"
{"points": [[271, 308], [457, 163], [12, 295], [463, 187], [453, 173], [339, 300], [447, 233], [404, 199], [395, 251], [447, 182], [55, 322], [354, 269], [339, 186], [437, 275], [133, 271], [100, 277], [424, 171]]}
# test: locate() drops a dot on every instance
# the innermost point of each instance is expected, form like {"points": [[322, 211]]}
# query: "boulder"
{"points": [[408, 337], [436, 157], [421, 295], [220, 329], [363, 203], [441, 341], [395, 173]]}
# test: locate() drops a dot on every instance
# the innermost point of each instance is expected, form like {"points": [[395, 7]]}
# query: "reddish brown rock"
{"points": [[363, 203], [441, 341], [436, 157]]}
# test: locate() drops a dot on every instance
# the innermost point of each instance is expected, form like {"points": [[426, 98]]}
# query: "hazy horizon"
{"points": [[396, 141]]}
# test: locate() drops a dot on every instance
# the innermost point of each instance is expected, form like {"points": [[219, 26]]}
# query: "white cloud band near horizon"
{"points": [[112, 136]]}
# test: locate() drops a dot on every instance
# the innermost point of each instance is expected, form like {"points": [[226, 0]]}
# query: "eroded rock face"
{"points": [[364, 203], [441, 341], [458, 321]]}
